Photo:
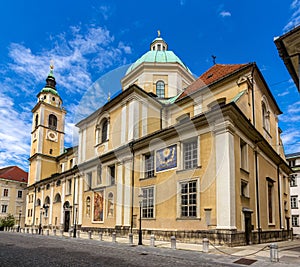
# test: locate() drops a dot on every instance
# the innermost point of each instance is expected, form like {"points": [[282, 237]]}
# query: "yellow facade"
{"points": [[201, 158]]}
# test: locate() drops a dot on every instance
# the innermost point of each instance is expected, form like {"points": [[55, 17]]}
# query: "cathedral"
{"points": [[183, 156]]}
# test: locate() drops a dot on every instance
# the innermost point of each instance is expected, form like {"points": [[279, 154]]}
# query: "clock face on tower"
{"points": [[166, 158], [52, 136]]}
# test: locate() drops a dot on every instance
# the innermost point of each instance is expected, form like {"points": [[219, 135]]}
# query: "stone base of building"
{"points": [[229, 238]]}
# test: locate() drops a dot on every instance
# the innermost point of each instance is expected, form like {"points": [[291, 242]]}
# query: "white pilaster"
{"points": [[51, 205], [62, 202], [80, 200], [225, 176], [127, 193], [123, 125], [144, 118], [131, 120], [119, 197]]}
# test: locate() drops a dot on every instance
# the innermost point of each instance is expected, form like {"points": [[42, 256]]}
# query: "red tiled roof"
{"points": [[215, 73], [14, 173]]}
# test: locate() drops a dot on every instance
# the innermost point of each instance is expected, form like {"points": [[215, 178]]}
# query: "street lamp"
{"points": [[140, 196], [74, 233], [20, 212]]}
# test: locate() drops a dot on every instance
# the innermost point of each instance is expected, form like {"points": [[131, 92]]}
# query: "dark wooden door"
{"points": [[67, 221], [248, 227]]}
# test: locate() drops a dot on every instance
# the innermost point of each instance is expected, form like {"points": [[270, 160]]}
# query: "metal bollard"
{"points": [[113, 236], [78, 233], [130, 236], [47, 232], [152, 241], [173, 242], [54, 231], [100, 236], [205, 245], [274, 252], [90, 234]]}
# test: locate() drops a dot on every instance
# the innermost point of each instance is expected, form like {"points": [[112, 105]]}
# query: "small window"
{"points": [[160, 89], [158, 47], [38, 202], [20, 194], [295, 220], [57, 198], [294, 202], [243, 156], [47, 186], [50, 151], [36, 120], [188, 203], [89, 177], [292, 163], [112, 174], [5, 192], [58, 182], [190, 154], [52, 122], [293, 181], [69, 187], [47, 200], [53, 98], [244, 189], [104, 131], [4, 209], [148, 202], [149, 165]]}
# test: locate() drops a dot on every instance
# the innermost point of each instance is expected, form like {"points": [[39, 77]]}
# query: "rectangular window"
{"points": [[89, 177], [270, 201], [20, 194], [99, 174], [189, 199], [5, 192], [243, 151], [294, 202], [69, 187], [112, 174], [148, 203], [149, 165], [295, 220], [293, 181], [190, 155], [244, 189], [4, 209], [71, 163]]}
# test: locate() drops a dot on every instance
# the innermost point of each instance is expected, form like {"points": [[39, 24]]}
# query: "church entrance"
{"points": [[67, 221]]}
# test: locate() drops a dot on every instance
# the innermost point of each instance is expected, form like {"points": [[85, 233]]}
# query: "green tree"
{"points": [[8, 221]]}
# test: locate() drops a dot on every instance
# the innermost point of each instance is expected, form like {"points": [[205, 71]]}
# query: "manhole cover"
{"points": [[245, 261]]}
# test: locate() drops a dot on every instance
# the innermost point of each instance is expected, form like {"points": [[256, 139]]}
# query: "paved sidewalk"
{"points": [[288, 251]]}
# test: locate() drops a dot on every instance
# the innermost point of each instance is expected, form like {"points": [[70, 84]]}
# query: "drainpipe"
{"points": [[161, 113], [279, 195], [132, 184]]}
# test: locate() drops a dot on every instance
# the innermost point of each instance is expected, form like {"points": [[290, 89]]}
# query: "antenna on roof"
{"points": [[214, 59]]}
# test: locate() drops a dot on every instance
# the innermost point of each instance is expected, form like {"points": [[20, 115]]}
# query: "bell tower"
{"points": [[47, 135]]}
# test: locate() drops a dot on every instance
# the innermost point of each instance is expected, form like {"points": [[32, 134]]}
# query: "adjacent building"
{"points": [[13, 183], [201, 157]]}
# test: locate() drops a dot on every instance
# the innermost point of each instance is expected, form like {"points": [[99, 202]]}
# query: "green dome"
{"points": [[49, 90], [157, 57]]}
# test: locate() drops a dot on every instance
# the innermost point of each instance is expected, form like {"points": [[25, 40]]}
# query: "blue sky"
{"points": [[87, 39]]}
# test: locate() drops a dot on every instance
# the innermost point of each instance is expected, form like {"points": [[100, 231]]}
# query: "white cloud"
{"points": [[295, 18], [283, 93], [225, 14], [76, 54]]}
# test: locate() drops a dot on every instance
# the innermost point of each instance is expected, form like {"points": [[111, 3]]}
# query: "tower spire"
{"points": [[50, 81]]}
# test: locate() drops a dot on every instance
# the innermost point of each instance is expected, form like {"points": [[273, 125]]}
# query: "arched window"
{"points": [[57, 198], [36, 120], [160, 89], [88, 206], [104, 131], [265, 117], [52, 122], [110, 205], [47, 200], [38, 202]]}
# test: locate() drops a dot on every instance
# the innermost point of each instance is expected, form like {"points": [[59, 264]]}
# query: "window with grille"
{"points": [[190, 155], [148, 202], [4, 209], [294, 202], [20, 194], [160, 89], [189, 199], [295, 220], [149, 165]]}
